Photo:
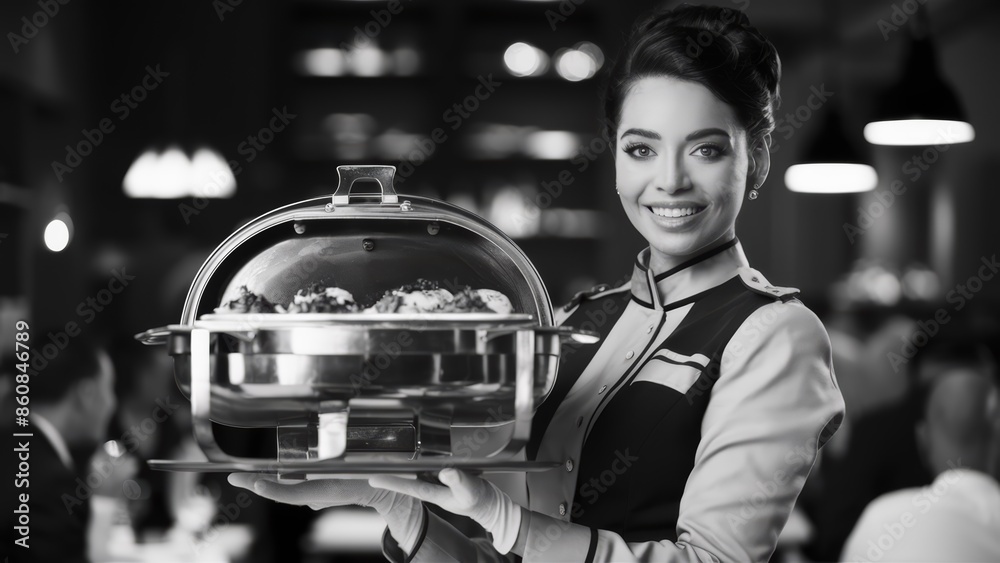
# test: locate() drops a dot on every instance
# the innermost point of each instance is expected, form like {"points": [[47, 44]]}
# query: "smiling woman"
{"points": [[682, 165], [688, 434]]}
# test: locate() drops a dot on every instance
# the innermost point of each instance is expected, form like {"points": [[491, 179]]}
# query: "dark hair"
{"points": [[77, 361], [712, 46], [958, 349]]}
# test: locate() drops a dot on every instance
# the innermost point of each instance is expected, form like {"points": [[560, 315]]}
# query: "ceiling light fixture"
{"points": [[920, 109]]}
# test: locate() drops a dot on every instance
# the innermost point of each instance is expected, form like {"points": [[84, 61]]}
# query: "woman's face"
{"points": [[681, 166]]}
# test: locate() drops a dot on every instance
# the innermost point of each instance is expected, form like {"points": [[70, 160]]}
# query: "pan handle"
{"points": [[155, 336], [347, 175]]}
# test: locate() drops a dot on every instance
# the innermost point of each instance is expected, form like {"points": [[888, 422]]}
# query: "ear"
{"points": [[923, 441], [760, 161]]}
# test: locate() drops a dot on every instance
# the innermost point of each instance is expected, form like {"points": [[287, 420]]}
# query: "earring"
{"points": [[754, 193], [617, 191]]}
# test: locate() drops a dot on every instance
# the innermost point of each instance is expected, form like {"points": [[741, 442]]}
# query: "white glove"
{"points": [[403, 514], [465, 495]]}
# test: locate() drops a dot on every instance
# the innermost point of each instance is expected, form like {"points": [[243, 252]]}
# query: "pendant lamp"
{"points": [[831, 164], [921, 109]]}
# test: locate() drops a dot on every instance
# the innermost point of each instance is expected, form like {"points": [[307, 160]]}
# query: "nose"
{"points": [[672, 176]]}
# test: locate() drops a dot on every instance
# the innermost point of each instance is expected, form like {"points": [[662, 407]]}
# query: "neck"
{"points": [[970, 458], [660, 262]]}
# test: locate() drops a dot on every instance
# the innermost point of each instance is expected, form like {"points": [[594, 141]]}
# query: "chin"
{"points": [[678, 244]]}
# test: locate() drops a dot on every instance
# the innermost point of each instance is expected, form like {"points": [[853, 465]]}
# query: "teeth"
{"points": [[674, 211]]}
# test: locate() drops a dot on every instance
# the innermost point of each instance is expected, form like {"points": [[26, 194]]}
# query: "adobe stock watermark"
{"points": [[105, 467], [899, 14], [590, 491], [595, 319], [87, 310], [31, 26], [758, 328], [794, 120], [122, 108], [455, 116], [914, 168], [796, 463], [365, 35], [920, 504], [958, 298], [226, 513], [224, 8], [374, 366], [250, 148], [696, 45], [562, 12], [551, 190]]}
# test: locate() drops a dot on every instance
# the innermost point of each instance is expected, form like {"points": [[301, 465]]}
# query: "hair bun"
{"points": [[744, 44], [712, 45]]}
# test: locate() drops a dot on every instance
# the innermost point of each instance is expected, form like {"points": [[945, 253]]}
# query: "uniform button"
{"points": [[630, 355], [579, 421], [562, 509], [602, 389], [569, 465], [650, 329], [755, 280]]}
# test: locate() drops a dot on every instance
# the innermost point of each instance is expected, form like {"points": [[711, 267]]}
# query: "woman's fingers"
{"points": [[464, 487], [318, 493], [422, 490], [455, 479], [244, 480]]}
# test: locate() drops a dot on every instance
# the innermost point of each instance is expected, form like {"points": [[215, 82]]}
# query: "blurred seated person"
{"points": [[875, 452], [957, 518], [71, 401], [148, 426]]}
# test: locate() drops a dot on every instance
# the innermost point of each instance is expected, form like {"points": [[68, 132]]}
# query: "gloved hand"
{"points": [[403, 514], [465, 495]]}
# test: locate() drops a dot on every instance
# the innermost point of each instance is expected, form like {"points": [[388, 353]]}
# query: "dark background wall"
{"points": [[228, 70]]}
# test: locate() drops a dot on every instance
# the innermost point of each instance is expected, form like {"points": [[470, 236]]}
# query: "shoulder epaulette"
{"points": [[592, 293], [756, 282]]}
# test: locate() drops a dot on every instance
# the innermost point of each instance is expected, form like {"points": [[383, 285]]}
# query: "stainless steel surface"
{"points": [[273, 258], [347, 175], [363, 386], [361, 469]]}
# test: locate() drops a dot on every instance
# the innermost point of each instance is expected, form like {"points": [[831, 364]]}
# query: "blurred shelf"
{"points": [[508, 12], [461, 43], [385, 79], [414, 80], [15, 196], [485, 162], [407, 9], [543, 80]]}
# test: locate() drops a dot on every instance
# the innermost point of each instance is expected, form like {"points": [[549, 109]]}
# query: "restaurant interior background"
{"points": [[137, 135]]}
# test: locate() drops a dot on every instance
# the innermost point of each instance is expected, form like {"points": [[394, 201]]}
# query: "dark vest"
{"points": [[649, 428]]}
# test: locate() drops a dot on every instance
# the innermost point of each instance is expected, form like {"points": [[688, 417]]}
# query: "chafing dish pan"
{"points": [[366, 392]]}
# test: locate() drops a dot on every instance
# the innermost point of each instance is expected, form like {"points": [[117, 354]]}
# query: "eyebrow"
{"points": [[692, 136], [706, 133], [642, 132]]}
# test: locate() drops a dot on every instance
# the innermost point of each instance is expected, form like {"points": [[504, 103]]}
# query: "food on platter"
{"points": [[495, 301], [319, 299], [428, 297], [423, 296], [247, 302]]}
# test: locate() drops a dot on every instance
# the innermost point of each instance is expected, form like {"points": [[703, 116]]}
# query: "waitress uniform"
{"points": [[686, 435]]}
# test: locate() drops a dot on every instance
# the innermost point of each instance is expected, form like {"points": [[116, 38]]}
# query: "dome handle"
{"points": [[348, 175]]}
